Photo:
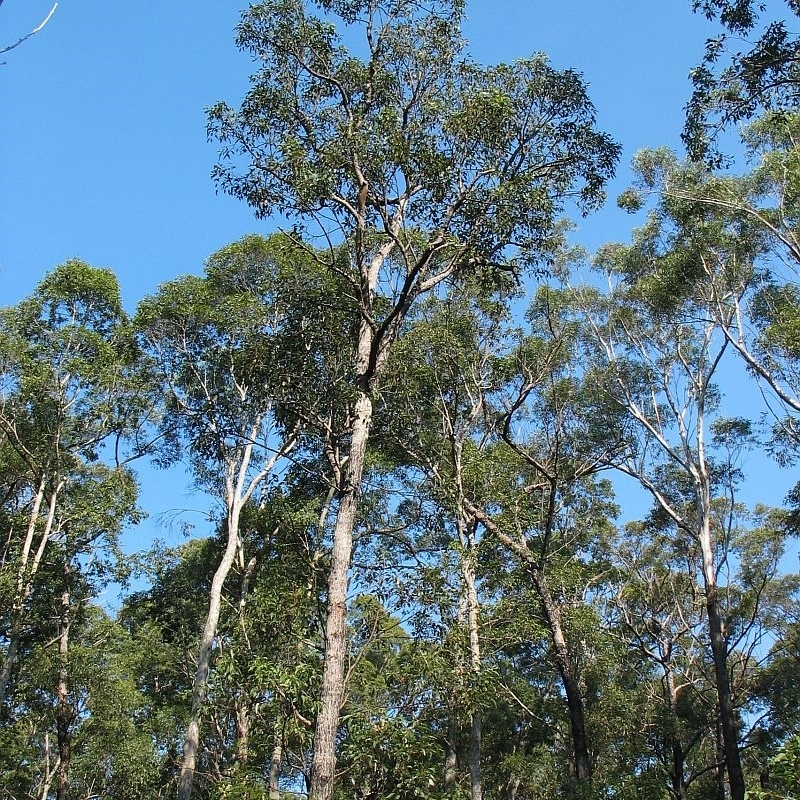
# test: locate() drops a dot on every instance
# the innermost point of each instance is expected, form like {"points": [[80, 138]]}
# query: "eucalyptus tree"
{"points": [[659, 355], [551, 512], [733, 242], [434, 418], [232, 349], [491, 418], [422, 166], [69, 396]]}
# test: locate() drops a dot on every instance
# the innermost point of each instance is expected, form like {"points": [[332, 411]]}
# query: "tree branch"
{"points": [[28, 36]]}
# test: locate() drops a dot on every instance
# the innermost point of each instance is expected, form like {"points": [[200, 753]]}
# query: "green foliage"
{"points": [[66, 356], [260, 341], [470, 158], [421, 169], [733, 87], [783, 776], [71, 397]]}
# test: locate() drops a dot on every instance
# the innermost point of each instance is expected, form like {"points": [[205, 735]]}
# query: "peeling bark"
{"points": [[323, 770]]}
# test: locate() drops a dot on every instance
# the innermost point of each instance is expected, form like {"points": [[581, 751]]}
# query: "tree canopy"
{"points": [[423, 424]]}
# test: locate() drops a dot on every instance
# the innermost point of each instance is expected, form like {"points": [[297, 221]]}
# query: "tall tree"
{"points": [[491, 418], [69, 394], [663, 351], [434, 411], [420, 166], [225, 347]]}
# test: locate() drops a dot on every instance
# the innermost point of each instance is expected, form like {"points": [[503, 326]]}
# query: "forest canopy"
{"points": [[424, 421]]}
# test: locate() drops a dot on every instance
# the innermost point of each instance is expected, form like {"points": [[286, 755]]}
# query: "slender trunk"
{"points": [[368, 365], [677, 774], [323, 768], [719, 773], [191, 744], [43, 790], [63, 708], [719, 644], [25, 577], [727, 715], [572, 689], [242, 730], [468, 573], [275, 764], [243, 699], [719, 655], [475, 780], [11, 653], [451, 753]]}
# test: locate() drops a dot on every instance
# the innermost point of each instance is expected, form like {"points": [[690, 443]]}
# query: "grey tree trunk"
{"points": [[475, 779], [323, 769], [242, 730], [719, 645], [451, 753], [275, 765], [471, 592], [238, 490]]}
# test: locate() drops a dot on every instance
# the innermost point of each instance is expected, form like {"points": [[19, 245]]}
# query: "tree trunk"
{"points": [[275, 765], [572, 689], [451, 753], [727, 715], [191, 744], [719, 772], [323, 768], [475, 780], [468, 572], [25, 577], [43, 790], [242, 730], [719, 654], [63, 708], [677, 773]]}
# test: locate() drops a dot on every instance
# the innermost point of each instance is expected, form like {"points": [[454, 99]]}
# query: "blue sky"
{"points": [[103, 150]]}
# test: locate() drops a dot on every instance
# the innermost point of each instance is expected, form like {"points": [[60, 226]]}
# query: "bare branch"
{"points": [[28, 35]]}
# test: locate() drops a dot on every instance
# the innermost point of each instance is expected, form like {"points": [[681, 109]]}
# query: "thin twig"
{"points": [[28, 36]]}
